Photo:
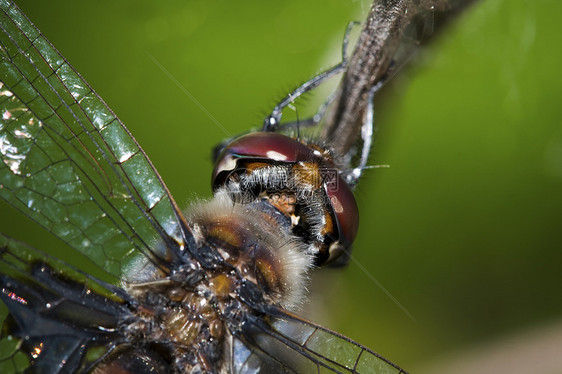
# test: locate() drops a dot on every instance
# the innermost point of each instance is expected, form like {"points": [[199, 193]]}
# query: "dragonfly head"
{"points": [[301, 180]]}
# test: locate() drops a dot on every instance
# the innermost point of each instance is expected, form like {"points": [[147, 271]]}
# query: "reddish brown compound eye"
{"points": [[345, 209], [260, 146], [270, 145]]}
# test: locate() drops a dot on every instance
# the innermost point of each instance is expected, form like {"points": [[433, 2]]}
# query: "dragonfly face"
{"points": [[208, 291]]}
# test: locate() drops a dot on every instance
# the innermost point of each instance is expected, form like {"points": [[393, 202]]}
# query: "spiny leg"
{"points": [[273, 121], [367, 134]]}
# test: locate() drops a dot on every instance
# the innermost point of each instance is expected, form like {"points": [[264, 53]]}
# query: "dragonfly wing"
{"points": [[57, 314], [285, 343], [69, 163]]}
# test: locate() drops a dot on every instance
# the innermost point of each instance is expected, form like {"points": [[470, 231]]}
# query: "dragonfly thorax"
{"points": [[200, 308], [255, 240]]}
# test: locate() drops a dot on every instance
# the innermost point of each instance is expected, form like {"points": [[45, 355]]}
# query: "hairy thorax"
{"points": [[200, 308]]}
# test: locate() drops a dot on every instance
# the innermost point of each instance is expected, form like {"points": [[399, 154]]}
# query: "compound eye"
{"points": [[264, 146], [345, 209]]}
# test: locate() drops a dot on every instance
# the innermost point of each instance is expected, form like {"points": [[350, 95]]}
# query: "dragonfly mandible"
{"points": [[209, 290]]}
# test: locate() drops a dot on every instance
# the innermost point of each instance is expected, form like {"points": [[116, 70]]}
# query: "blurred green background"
{"points": [[463, 229]]}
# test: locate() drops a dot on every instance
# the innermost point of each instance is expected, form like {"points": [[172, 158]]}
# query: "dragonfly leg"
{"points": [[367, 134], [272, 122]]}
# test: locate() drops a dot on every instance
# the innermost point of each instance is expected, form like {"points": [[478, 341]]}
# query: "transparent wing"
{"points": [[69, 163], [58, 315], [285, 343]]}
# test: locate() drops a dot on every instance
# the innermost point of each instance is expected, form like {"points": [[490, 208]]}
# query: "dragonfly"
{"points": [[210, 289]]}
